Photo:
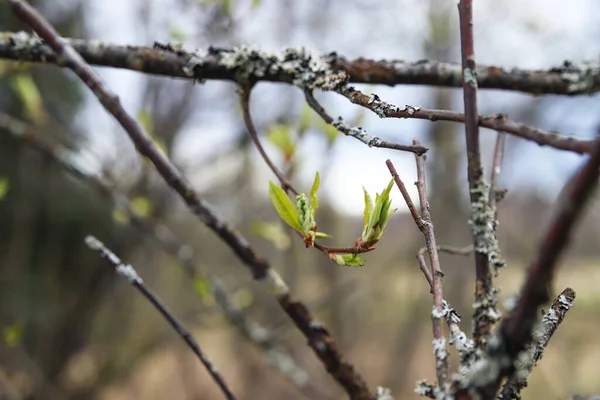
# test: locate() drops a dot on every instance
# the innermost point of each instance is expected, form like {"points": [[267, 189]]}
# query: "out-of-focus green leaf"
{"points": [[273, 232], [256, 3], [203, 290], [330, 131], [243, 298], [28, 93], [145, 119], [280, 135], [12, 334], [4, 186], [141, 206], [306, 118], [284, 206], [120, 216], [314, 201], [177, 34], [227, 7]]}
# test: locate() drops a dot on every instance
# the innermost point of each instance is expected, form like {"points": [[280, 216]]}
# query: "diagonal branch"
{"points": [[358, 132], [568, 79], [128, 272], [497, 122], [319, 339], [550, 323]]}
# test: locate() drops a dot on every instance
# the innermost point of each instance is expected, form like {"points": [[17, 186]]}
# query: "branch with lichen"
{"points": [[533, 353], [319, 339], [170, 60], [127, 271], [516, 330]]}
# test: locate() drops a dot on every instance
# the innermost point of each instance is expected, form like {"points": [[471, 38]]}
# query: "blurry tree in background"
{"points": [[72, 330]]}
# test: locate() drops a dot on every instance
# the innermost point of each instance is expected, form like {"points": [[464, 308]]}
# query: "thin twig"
{"points": [[244, 93], [482, 321], [497, 122], [134, 279], [425, 225], [567, 79], [358, 132], [550, 323], [319, 338], [495, 193]]}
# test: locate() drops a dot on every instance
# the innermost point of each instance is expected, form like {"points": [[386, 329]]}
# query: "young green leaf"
{"points": [[141, 206], [284, 206], [349, 260], [280, 135], [321, 235], [376, 218], [314, 201], [368, 208], [274, 232], [4, 185]]}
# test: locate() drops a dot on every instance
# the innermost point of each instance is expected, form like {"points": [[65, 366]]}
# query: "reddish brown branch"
{"points": [[318, 337], [244, 93], [425, 225]]}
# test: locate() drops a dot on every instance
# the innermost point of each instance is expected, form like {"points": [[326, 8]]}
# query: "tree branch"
{"points": [[128, 272], [568, 79]]}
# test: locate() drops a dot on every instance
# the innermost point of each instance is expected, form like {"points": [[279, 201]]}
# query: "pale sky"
{"points": [[510, 33]]}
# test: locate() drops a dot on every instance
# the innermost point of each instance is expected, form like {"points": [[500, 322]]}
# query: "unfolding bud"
{"points": [[376, 216]]}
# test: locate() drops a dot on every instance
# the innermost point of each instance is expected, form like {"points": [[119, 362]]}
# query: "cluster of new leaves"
{"points": [[301, 218]]}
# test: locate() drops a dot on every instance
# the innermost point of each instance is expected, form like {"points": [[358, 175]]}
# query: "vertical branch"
{"points": [[485, 314], [134, 279], [425, 225]]}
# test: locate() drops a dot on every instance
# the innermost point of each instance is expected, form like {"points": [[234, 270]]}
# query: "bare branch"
{"points": [[128, 272], [568, 79], [550, 322], [425, 225], [358, 132], [318, 337], [497, 122], [244, 93]]}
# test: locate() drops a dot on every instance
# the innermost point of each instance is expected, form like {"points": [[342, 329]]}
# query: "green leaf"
{"points": [[349, 260], [120, 216], [368, 208], [284, 206], [378, 216], [4, 186], [314, 201], [256, 3], [306, 118], [30, 96], [145, 119], [12, 334], [321, 235], [203, 289], [280, 135], [243, 298], [141, 206], [273, 232]]}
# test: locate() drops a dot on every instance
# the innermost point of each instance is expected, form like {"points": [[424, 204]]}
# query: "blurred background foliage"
{"points": [[72, 330]]}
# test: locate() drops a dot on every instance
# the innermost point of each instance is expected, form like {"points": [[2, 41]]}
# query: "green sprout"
{"points": [[376, 217], [301, 216]]}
